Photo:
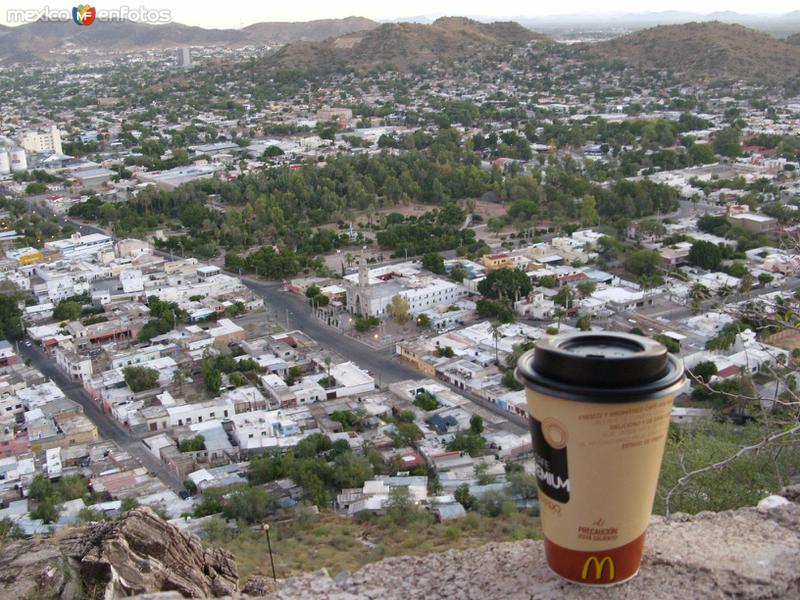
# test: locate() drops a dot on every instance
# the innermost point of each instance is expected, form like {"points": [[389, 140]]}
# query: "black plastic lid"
{"points": [[600, 366]]}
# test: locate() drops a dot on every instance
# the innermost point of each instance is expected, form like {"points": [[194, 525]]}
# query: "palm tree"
{"points": [[559, 313], [178, 379], [698, 294], [328, 362], [724, 291], [746, 283], [496, 334]]}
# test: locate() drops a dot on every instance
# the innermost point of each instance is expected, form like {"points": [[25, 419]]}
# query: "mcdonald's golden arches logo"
{"points": [[599, 567]]}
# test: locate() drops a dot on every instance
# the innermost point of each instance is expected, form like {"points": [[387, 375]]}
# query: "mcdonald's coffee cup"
{"points": [[599, 405]]}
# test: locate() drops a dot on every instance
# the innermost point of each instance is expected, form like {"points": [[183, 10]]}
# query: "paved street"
{"points": [[107, 427], [386, 366]]}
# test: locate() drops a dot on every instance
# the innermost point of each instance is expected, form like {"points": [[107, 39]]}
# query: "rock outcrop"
{"points": [[138, 554]]}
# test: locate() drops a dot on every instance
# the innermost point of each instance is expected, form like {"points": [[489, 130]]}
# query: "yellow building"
{"points": [[496, 261], [419, 355], [75, 429], [25, 256]]}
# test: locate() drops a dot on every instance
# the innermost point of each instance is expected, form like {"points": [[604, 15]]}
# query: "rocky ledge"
{"points": [[138, 554], [747, 553]]}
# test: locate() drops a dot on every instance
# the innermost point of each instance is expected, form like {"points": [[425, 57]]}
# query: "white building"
{"points": [[47, 141], [370, 291], [79, 245], [263, 430]]}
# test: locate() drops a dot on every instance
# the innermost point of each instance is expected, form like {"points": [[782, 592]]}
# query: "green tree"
{"points": [[426, 401], [434, 262], [350, 470], [92, 515], [407, 434], [445, 351], [212, 378], [586, 288], [463, 497], [727, 142], [702, 154], [71, 487], [398, 309], [34, 188], [510, 381], [506, 283], [584, 323], [494, 503], [671, 344], [740, 482], [746, 283], [643, 262], [423, 321], [705, 255], [476, 424], [458, 274], [765, 278], [522, 484], [10, 317], [471, 443], [249, 505], [704, 371], [67, 310], [41, 488], [588, 210], [193, 444], [9, 530], [46, 510], [140, 378], [400, 508], [128, 503]]}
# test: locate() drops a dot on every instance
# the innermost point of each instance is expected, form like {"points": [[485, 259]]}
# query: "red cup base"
{"points": [[602, 567]]}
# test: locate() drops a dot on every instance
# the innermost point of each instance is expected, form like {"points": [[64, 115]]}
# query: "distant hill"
{"points": [[309, 31], [42, 40], [779, 25], [402, 45], [711, 50], [45, 40]]}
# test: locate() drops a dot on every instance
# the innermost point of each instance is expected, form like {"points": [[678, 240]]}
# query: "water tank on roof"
{"points": [[19, 162]]}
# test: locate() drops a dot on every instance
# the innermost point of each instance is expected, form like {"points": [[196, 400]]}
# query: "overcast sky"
{"points": [[234, 13]]}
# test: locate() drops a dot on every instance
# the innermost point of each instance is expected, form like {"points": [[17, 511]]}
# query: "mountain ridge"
{"points": [[710, 50], [403, 45], [45, 41]]}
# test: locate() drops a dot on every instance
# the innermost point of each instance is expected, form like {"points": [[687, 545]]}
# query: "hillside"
{"points": [[47, 41], [309, 31], [793, 39], [43, 40], [402, 45], [711, 50]]}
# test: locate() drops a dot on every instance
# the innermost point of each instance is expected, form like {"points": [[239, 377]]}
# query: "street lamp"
{"points": [[265, 527]]}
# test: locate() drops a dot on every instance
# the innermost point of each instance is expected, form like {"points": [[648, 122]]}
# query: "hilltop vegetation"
{"points": [[402, 45], [711, 51], [284, 207]]}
